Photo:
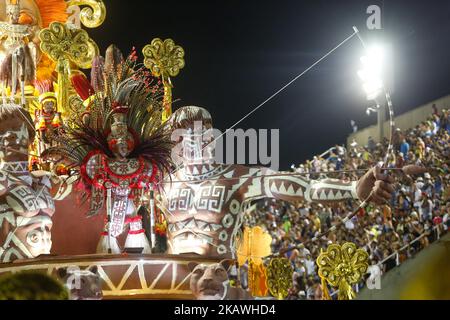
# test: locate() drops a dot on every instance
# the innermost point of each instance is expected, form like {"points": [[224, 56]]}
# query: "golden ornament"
{"points": [[164, 59], [279, 277], [93, 15], [66, 45], [341, 267]]}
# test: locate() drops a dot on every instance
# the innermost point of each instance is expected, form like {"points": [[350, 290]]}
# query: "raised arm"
{"points": [[289, 187], [373, 186]]}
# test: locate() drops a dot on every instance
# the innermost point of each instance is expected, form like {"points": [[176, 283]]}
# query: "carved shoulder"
{"points": [[3, 182]]}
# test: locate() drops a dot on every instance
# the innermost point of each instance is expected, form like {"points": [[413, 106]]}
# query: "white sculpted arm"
{"points": [[289, 187], [61, 186]]}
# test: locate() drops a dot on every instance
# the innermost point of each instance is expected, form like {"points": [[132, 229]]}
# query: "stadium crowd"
{"points": [[417, 214]]}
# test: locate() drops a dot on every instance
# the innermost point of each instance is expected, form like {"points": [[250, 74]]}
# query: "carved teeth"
{"points": [[191, 224], [201, 224], [216, 227], [282, 189], [323, 195], [290, 190], [180, 225], [299, 192], [273, 187]]}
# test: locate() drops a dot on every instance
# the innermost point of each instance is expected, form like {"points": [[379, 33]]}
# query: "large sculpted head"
{"points": [[193, 135], [209, 282], [82, 284], [35, 234], [16, 133]]}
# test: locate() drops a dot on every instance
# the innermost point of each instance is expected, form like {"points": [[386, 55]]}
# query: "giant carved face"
{"points": [[35, 234], [194, 135], [208, 282], [14, 140]]}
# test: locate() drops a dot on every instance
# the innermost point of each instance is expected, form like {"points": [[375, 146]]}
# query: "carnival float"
{"points": [[90, 185]]}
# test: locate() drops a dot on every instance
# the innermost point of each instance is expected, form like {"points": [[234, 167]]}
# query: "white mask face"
{"points": [[197, 146], [17, 140]]}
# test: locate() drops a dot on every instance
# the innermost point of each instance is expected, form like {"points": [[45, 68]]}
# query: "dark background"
{"points": [[238, 53]]}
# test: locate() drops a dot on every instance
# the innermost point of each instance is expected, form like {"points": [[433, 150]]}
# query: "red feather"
{"points": [[82, 86]]}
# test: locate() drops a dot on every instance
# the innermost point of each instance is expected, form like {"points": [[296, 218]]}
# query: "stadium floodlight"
{"points": [[372, 72]]}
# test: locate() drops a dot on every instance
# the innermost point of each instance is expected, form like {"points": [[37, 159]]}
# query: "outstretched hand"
{"points": [[375, 186]]}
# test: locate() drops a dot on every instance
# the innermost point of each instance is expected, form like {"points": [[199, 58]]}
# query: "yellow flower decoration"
{"points": [[65, 45], [163, 58], [342, 267], [59, 41]]}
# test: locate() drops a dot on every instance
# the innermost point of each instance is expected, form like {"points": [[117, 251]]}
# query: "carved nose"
{"points": [[207, 280]]}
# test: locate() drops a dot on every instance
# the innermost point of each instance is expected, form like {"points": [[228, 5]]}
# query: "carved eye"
{"points": [[198, 271], [220, 272], [34, 238]]}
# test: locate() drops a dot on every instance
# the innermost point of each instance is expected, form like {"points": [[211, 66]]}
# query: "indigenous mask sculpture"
{"points": [[122, 149], [26, 198], [211, 282], [82, 284]]}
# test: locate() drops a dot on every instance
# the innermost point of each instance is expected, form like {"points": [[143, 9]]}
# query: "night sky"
{"points": [[238, 53]]}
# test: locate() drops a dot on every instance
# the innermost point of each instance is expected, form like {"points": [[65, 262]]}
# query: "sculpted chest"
{"points": [[204, 217]]}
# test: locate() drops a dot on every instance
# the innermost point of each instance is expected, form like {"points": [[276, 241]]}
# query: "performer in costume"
{"points": [[34, 15], [47, 118], [204, 202], [122, 149], [18, 64], [26, 198]]}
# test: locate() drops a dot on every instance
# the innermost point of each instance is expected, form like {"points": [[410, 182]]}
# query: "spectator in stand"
{"points": [[404, 147], [371, 145]]}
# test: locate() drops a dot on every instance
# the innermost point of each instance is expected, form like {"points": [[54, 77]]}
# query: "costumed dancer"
{"points": [[123, 148], [18, 66], [47, 118]]}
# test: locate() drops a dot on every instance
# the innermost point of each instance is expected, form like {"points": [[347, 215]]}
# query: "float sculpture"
{"points": [[113, 140]]}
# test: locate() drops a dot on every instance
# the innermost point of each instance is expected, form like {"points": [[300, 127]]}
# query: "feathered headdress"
{"points": [[118, 83]]}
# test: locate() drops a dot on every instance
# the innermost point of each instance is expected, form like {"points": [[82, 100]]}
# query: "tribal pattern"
{"points": [[205, 217]]}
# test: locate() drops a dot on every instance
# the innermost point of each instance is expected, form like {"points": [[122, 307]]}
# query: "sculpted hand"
{"points": [[376, 185]]}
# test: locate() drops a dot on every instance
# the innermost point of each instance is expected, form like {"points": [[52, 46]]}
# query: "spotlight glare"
{"points": [[372, 72]]}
